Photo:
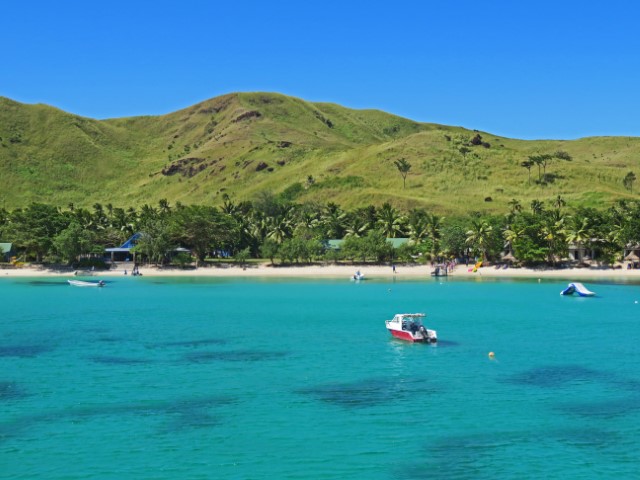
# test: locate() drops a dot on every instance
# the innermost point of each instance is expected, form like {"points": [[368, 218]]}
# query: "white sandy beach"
{"points": [[341, 271]]}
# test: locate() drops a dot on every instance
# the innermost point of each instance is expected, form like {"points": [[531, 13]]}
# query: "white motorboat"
{"points": [[81, 283], [408, 326], [358, 276]]}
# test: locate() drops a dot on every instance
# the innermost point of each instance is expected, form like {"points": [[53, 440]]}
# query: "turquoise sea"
{"points": [[155, 378]]}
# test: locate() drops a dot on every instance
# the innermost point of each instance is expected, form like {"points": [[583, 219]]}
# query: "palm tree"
{"points": [[389, 221], [515, 206], [554, 234], [434, 229], [163, 205], [543, 160], [228, 206], [537, 207], [332, 220], [528, 164], [628, 181], [579, 232], [559, 202], [307, 220], [403, 167], [355, 226], [512, 236], [478, 237], [279, 228], [417, 226]]}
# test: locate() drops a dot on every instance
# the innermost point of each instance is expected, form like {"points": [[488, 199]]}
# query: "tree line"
{"points": [[273, 228]]}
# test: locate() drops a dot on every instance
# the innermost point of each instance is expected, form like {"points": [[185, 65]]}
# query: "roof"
{"points": [[126, 246], [335, 244], [397, 242], [132, 241]]}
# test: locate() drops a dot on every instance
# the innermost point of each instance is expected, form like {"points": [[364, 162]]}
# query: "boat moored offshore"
{"points": [[81, 283], [408, 326]]}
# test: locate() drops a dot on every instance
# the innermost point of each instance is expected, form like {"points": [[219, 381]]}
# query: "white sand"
{"points": [[343, 271]]}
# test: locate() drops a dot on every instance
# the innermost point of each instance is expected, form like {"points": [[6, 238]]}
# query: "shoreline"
{"points": [[340, 271]]}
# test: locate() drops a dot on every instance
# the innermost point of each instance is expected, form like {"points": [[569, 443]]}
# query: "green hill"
{"points": [[244, 143]]}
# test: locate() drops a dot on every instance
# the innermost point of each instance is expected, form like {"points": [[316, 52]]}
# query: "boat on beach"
{"points": [[408, 326], [81, 283], [440, 271], [358, 276]]}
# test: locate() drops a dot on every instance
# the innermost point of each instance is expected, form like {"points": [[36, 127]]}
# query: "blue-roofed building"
{"points": [[123, 252]]}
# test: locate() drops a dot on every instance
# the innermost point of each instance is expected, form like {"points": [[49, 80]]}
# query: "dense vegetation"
{"points": [[243, 144], [273, 227]]}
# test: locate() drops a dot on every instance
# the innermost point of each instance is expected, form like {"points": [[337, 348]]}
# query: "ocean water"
{"points": [[153, 378]]}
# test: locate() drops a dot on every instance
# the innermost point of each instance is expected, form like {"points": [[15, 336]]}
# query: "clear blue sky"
{"points": [[539, 69]]}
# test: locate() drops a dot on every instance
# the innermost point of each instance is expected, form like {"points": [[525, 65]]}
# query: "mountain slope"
{"points": [[244, 143]]}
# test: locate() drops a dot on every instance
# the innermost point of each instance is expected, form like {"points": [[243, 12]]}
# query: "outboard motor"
{"points": [[425, 335]]}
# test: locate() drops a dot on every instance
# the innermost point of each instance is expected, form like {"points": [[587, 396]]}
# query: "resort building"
{"points": [[6, 251]]}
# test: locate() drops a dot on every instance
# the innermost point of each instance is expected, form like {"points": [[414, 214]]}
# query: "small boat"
{"points": [[408, 326], [578, 288], [81, 283], [358, 276], [440, 271]]}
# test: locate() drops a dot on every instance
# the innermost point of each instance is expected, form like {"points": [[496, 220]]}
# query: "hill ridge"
{"points": [[243, 143]]}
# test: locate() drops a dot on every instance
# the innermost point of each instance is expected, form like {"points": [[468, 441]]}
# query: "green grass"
{"points": [[47, 155]]}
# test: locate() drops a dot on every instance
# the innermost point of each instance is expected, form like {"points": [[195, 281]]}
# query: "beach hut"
{"points": [[632, 257], [508, 257]]}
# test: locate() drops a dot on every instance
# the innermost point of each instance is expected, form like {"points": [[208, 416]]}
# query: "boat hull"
{"points": [[410, 337], [80, 283], [402, 335]]}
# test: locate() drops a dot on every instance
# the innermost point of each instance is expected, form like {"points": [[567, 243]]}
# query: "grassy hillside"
{"points": [[241, 144]]}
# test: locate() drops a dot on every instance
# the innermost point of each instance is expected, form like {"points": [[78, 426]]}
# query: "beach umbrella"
{"points": [[632, 257]]}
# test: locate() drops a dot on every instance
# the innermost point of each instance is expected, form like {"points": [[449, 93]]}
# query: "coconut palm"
{"points": [[537, 207], [307, 220], [515, 206], [559, 202], [163, 205], [579, 232], [417, 226], [355, 226], [479, 236], [332, 221], [279, 228], [528, 164], [434, 231], [389, 221], [554, 234], [512, 236], [403, 167]]}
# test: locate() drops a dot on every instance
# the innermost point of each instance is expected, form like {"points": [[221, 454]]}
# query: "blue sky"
{"points": [[544, 69]]}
